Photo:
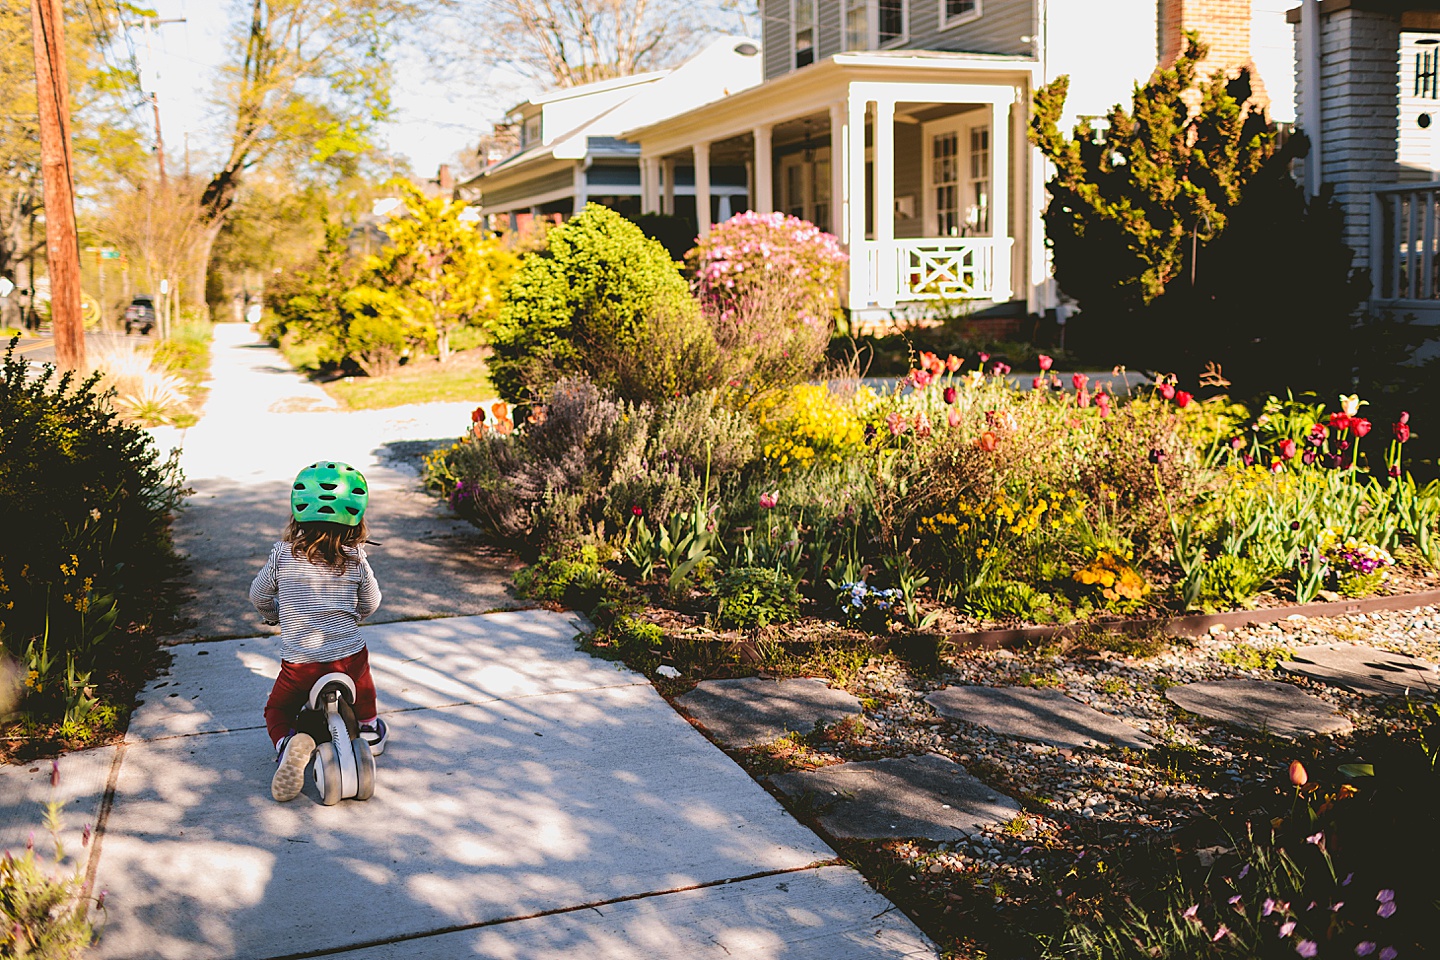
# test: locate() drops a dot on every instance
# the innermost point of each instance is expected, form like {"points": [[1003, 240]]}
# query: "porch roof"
{"points": [[815, 87]]}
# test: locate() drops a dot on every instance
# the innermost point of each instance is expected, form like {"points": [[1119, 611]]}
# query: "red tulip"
{"points": [[950, 394], [1182, 399], [952, 363], [1082, 398], [1038, 382], [1361, 426], [1167, 390], [988, 442], [1340, 421], [1078, 380], [1402, 431], [1287, 448], [638, 511], [1046, 362]]}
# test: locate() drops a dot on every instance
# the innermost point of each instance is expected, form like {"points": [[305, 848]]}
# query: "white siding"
{"points": [[1419, 151]]}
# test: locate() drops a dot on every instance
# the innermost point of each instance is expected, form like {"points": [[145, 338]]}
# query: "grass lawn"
{"points": [[464, 377]]}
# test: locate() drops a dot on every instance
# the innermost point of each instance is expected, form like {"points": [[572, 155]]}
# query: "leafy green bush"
{"points": [[576, 578], [87, 503], [755, 597], [605, 301]]}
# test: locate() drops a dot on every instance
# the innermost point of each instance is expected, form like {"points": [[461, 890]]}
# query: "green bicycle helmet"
{"points": [[329, 491]]}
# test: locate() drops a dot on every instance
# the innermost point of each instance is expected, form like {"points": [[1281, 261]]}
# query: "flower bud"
{"points": [[1298, 776]]}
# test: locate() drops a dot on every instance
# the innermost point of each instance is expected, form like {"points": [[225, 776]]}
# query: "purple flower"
{"points": [[1287, 928], [1348, 878], [1316, 838], [1385, 896], [1191, 911], [1364, 948], [1245, 870], [1268, 907], [54, 773], [1220, 934], [1307, 948], [1386, 909], [1389, 953]]}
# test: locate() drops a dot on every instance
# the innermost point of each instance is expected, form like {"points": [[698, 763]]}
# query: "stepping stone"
{"points": [[1029, 713], [1365, 670], [925, 796], [1266, 706], [753, 710]]}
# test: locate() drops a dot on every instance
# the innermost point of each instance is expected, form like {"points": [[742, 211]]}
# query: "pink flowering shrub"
{"points": [[770, 286]]}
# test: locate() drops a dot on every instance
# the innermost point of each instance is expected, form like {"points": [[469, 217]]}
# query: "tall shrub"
{"points": [[87, 502], [601, 299], [770, 286]]}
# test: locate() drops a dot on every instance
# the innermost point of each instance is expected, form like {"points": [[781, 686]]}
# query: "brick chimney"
{"points": [[1222, 24], [445, 179]]}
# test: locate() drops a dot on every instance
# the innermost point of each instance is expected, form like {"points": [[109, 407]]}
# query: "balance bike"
{"points": [[344, 765]]}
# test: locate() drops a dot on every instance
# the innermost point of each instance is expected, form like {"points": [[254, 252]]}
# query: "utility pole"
{"points": [[62, 243], [153, 84]]}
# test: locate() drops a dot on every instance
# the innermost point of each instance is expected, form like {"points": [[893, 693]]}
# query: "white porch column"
{"points": [[1000, 196], [837, 169], [854, 224], [649, 184], [702, 188], [764, 199], [885, 201], [582, 189], [668, 166]]}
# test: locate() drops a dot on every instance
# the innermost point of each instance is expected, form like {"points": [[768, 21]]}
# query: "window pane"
{"points": [[822, 187], [804, 14], [892, 20], [804, 47], [958, 8], [856, 28]]}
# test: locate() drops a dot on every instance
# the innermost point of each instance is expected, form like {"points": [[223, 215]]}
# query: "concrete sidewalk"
{"points": [[534, 802]]}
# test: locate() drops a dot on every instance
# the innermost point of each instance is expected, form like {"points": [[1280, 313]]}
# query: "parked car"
{"points": [[140, 315]]}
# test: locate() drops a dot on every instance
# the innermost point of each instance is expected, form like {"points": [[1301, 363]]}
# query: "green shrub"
{"points": [[755, 597], [578, 579], [87, 503], [603, 300]]}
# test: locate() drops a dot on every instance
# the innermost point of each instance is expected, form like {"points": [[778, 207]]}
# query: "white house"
{"points": [[570, 153], [898, 125], [1368, 97]]}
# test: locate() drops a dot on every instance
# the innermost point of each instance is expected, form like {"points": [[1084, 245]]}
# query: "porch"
{"points": [[916, 162], [1405, 222]]}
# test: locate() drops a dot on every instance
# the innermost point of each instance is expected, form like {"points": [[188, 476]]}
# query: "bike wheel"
{"points": [[364, 769], [327, 774]]}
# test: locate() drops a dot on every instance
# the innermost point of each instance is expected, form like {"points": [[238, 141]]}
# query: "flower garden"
{"points": [[679, 463]]}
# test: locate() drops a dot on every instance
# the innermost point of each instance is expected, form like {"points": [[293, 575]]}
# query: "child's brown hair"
{"points": [[323, 543]]}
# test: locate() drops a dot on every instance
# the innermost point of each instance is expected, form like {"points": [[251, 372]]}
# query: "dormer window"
{"points": [[530, 132], [803, 16], [870, 24], [955, 12]]}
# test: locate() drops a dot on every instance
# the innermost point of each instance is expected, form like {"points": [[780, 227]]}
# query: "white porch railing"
{"points": [[1404, 235], [927, 268]]}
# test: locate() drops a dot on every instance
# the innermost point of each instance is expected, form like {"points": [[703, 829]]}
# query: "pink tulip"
{"points": [[1287, 448], [1045, 362], [1038, 383], [1167, 390], [1078, 380], [954, 418], [768, 501], [984, 357]]}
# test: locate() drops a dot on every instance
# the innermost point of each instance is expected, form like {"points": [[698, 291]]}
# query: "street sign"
{"points": [[109, 254]]}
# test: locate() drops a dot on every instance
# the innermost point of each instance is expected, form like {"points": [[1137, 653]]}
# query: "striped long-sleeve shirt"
{"points": [[319, 607]]}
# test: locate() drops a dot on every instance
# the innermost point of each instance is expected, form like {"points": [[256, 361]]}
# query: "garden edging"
{"points": [[1193, 625]]}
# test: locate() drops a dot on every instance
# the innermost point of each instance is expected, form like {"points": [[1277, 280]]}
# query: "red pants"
{"points": [[293, 685]]}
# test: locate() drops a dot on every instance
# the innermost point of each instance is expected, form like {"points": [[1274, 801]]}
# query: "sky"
{"points": [[434, 118]]}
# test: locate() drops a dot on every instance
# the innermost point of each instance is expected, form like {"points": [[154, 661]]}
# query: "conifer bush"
{"points": [[602, 300]]}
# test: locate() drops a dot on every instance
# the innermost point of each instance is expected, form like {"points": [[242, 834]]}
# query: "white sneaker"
{"points": [[292, 756]]}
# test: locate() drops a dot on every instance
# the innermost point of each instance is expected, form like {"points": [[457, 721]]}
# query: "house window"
{"points": [[857, 25], [890, 17], [874, 23], [820, 190], [1427, 58], [802, 15], [945, 178], [530, 132], [953, 12], [977, 194], [795, 190]]}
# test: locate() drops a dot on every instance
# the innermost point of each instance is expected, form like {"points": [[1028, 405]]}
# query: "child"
{"points": [[319, 586]]}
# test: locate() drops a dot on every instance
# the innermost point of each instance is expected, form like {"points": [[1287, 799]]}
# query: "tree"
{"points": [[1129, 203], [159, 227], [571, 42], [445, 269], [105, 140], [308, 82]]}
